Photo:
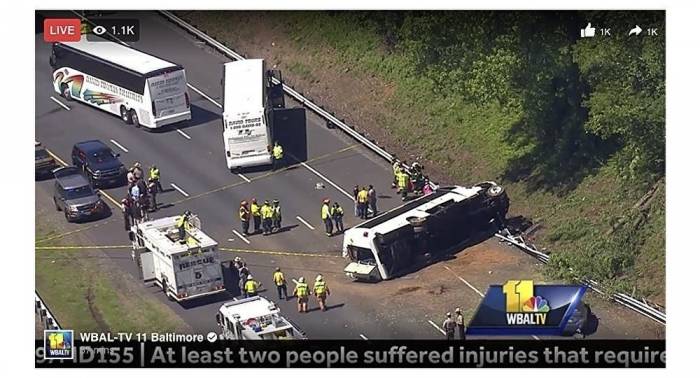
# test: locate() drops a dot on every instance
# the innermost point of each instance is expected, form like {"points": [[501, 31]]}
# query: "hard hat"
{"points": [[326, 200], [319, 278], [301, 279], [188, 213], [277, 269], [449, 314], [250, 276], [267, 202], [237, 259], [276, 201], [458, 310]]}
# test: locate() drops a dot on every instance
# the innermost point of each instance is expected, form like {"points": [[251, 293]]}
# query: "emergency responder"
{"points": [[244, 216], [362, 199], [152, 190], [251, 286], [181, 224], [266, 214], [278, 156], [326, 217], [321, 292], [255, 212], [276, 215], [449, 326], [126, 210], [396, 167], [372, 200], [403, 184], [460, 323], [280, 283], [301, 291], [154, 175], [337, 214]]}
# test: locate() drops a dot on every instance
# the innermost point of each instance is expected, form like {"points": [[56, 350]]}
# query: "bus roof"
{"points": [[243, 85], [121, 55], [421, 207]]}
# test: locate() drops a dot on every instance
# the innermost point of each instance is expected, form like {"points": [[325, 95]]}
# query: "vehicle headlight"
{"points": [[73, 208]]}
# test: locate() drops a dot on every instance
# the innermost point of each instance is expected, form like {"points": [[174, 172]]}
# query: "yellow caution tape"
{"points": [[76, 247]]}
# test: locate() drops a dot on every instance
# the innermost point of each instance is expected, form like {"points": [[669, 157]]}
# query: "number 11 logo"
{"points": [[517, 293]]}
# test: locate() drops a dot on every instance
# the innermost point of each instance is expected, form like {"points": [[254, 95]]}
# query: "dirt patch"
{"points": [[405, 290]]}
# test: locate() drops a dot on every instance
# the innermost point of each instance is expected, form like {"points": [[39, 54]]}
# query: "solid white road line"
{"points": [[118, 145], [184, 193], [240, 236], [328, 181], [464, 281], [243, 177], [363, 337], [183, 134], [64, 106], [204, 95], [305, 222], [437, 327]]}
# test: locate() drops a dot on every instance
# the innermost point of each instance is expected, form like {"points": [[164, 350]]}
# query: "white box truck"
{"points": [[185, 268], [255, 318], [422, 230], [247, 131]]}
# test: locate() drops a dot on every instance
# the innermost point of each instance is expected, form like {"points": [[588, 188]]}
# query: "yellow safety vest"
{"points": [[337, 211], [320, 287], [180, 221], [278, 277], [154, 173], [403, 180], [277, 152], [266, 211], [255, 209], [325, 212], [276, 212], [302, 290], [362, 196], [251, 286]]}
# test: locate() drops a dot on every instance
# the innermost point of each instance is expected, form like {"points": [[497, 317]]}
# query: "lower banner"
{"points": [[63, 352]]}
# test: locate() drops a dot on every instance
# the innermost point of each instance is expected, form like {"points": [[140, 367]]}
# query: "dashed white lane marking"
{"points": [[240, 236], [327, 180], [305, 222], [363, 337], [183, 134], [437, 327], [464, 281], [243, 177], [64, 106], [118, 145], [204, 95], [535, 337], [184, 193]]}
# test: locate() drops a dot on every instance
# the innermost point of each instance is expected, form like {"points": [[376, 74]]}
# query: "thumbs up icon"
{"points": [[588, 31]]}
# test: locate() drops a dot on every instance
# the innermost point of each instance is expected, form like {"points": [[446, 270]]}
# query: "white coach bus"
{"points": [[247, 134], [142, 89]]}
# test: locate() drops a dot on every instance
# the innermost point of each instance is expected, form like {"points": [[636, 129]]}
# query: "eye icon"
{"points": [[99, 30]]}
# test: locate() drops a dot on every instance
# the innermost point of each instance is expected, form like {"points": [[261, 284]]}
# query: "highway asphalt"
{"points": [[191, 159]]}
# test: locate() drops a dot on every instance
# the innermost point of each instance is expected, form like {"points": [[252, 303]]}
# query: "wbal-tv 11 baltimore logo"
{"points": [[519, 307], [58, 344]]}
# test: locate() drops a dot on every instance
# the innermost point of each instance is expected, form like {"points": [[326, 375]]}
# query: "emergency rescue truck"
{"points": [[255, 318], [421, 230], [185, 268]]}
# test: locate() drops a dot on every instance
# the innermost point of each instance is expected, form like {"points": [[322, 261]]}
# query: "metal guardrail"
{"points": [[626, 300], [40, 308]]}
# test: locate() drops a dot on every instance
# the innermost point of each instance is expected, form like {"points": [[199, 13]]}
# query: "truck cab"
{"points": [[255, 318], [421, 230]]}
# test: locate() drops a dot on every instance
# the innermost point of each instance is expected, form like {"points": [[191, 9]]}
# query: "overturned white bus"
{"points": [[421, 230]]}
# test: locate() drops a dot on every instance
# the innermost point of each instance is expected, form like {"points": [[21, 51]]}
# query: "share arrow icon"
{"points": [[636, 30]]}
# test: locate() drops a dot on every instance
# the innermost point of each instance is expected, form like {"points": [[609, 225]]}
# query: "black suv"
{"points": [[44, 164], [75, 197], [99, 163]]}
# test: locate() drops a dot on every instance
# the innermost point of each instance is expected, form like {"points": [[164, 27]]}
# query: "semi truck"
{"points": [[255, 318], [249, 96], [422, 230], [185, 265]]}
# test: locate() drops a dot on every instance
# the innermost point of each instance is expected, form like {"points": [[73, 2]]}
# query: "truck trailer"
{"points": [[421, 230], [255, 318], [185, 268]]}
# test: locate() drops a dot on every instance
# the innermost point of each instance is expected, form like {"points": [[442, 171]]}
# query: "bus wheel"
{"points": [[134, 118], [65, 92], [125, 115]]}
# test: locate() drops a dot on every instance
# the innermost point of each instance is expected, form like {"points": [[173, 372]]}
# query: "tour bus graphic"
{"points": [[519, 307], [75, 85]]}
